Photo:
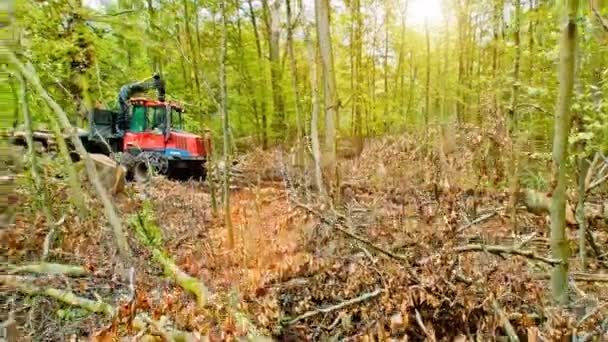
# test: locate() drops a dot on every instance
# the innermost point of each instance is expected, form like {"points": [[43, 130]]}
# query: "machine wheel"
{"points": [[127, 160], [158, 162]]}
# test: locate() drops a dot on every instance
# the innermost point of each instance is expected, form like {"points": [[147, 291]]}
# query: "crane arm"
{"points": [[128, 90]]}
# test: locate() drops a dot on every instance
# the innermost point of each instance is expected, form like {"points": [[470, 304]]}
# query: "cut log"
{"points": [[111, 174], [539, 203]]}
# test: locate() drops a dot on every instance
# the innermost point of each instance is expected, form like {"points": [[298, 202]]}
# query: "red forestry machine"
{"points": [[145, 133]]}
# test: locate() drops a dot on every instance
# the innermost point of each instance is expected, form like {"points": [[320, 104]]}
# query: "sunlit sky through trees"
{"points": [[418, 10]]}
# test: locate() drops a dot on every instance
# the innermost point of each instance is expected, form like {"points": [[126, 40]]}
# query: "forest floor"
{"points": [[409, 251]]}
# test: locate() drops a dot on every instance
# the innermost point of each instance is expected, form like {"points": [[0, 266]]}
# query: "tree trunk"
{"points": [[37, 177], [271, 20], [357, 76], [316, 104], [195, 60], [331, 114], [262, 87], [110, 212], [294, 77], [427, 109], [559, 244], [512, 124], [386, 97], [226, 127]]}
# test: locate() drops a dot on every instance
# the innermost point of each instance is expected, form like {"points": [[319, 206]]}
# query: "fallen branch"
{"points": [[339, 226], [351, 235], [477, 221], [329, 309], [430, 336], [184, 280], [591, 314], [67, 297], [49, 268], [500, 250], [505, 322], [600, 19], [140, 322], [577, 276]]}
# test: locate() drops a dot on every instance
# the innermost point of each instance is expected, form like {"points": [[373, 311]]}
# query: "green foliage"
{"points": [[144, 224]]}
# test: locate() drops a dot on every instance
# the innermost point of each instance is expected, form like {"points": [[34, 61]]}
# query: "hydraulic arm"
{"points": [[129, 89]]}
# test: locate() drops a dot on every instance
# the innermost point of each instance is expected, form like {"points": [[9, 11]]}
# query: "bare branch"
{"points": [[599, 17], [505, 322], [344, 304], [500, 250]]}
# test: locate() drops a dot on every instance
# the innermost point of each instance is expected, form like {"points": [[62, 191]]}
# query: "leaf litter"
{"points": [[296, 271]]}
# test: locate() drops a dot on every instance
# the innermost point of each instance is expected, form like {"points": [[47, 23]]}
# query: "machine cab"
{"points": [[158, 126]]}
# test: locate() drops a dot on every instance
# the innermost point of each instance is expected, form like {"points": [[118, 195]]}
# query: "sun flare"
{"points": [[420, 11]]}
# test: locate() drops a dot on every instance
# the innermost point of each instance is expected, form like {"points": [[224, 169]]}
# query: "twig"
{"points": [[578, 276], [329, 309], [505, 322], [159, 329], [597, 182], [532, 105], [591, 314], [477, 221], [61, 295], [356, 237], [499, 250], [49, 268], [599, 18], [351, 235], [424, 329]]}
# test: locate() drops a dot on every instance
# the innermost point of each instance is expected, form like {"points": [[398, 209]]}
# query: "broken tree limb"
{"points": [[500, 250], [328, 309], [110, 212], [184, 280], [578, 276], [505, 322], [335, 223], [539, 203], [49, 268], [428, 334], [140, 322], [67, 297], [478, 220]]}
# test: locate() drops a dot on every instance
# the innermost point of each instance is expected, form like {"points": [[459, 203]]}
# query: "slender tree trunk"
{"points": [[357, 76], [294, 76], [427, 108], [262, 87], [324, 37], [246, 76], [271, 19], [316, 106], [445, 103], [512, 124], [110, 212], [195, 61], [226, 127], [37, 177], [559, 243], [386, 97]]}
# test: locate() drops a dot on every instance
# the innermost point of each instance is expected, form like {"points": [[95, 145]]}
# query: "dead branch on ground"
{"points": [[577, 276], [49, 268], [505, 322], [184, 280], [329, 309], [500, 250]]}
